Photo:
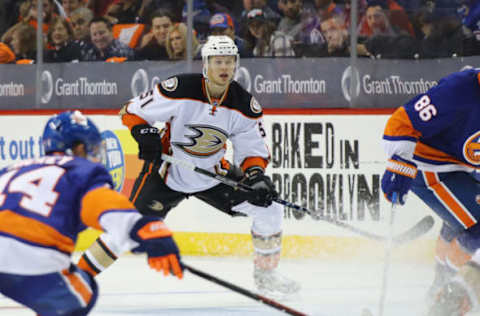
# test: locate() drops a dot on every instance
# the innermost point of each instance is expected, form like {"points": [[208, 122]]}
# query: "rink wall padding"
{"points": [[330, 161]]}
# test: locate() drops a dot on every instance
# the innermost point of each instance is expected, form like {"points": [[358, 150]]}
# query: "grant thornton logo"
{"points": [[47, 86], [139, 83], [242, 76], [347, 76]]}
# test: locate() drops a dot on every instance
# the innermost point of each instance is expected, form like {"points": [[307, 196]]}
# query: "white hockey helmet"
{"points": [[219, 45]]}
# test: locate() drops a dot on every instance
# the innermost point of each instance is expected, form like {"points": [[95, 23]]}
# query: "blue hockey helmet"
{"points": [[67, 129]]}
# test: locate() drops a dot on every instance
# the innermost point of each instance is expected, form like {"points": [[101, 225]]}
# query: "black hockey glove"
{"points": [[263, 192], [149, 142]]}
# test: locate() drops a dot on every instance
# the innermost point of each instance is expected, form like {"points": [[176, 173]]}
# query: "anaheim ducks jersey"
{"points": [[46, 202], [197, 131], [440, 129]]}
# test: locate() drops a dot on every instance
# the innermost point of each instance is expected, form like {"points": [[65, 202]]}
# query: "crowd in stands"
{"points": [[127, 30]]}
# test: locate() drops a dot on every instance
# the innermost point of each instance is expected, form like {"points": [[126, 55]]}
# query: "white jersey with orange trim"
{"points": [[439, 129], [46, 202], [198, 131]]}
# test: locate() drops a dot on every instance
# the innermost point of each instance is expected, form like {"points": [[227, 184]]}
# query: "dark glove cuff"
{"points": [[254, 171]]}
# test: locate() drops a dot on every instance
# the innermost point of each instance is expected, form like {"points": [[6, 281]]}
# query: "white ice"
{"points": [[329, 288]]}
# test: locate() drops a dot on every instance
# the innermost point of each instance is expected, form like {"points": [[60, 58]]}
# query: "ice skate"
{"points": [[271, 282]]}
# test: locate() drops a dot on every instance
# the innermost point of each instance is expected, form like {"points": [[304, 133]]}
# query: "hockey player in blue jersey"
{"points": [[46, 202], [433, 145]]}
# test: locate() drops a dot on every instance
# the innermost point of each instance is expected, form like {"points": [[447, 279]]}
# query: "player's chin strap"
{"points": [[420, 228]]}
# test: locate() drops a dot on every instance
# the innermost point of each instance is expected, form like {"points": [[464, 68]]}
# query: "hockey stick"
{"points": [[416, 231], [245, 292], [388, 255]]}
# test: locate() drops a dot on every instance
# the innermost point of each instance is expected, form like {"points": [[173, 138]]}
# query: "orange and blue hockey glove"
{"points": [[156, 240], [398, 177]]}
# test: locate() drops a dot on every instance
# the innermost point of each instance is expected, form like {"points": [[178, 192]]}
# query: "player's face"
{"points": [[221, 69], [160, 27]]}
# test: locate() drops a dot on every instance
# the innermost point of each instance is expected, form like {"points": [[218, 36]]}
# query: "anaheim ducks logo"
{"points": [[206, 140], [471, 149]]}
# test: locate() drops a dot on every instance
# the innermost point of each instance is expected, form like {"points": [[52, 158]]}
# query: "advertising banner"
{"points": [[276, 83]]}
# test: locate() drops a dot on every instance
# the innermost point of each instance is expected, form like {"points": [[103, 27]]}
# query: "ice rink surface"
{"points": [[329, 288]]}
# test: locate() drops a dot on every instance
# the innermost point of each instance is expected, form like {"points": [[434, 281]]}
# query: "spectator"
{"points": [[7, 56], [71, 5], [265, 40], [127, 11], [201, 18], [177, 42], [103, 46], [327, 9], [249, 5], [301, 23], [24, 43], [153, 43], [222, 24], [336, 36], [61, 44], [80, 20], [443, 34]]}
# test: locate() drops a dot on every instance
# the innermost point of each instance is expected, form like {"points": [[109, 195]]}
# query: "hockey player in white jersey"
{"points": [[200, 112]]}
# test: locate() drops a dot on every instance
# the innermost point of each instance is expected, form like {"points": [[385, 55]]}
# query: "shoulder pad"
{"points": [[240, 99], [182, 86]]}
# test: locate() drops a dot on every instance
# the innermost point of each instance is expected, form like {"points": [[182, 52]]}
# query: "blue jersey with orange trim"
{"points": [[440, 129], [46, 202]]}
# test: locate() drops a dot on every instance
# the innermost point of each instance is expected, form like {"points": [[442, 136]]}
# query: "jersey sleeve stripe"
{"points": [[34, 232], [399, 125], [427, 154], [99, 201]]}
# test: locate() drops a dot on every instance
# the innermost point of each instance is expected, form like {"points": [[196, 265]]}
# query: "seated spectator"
{"points": [[327, 9], [24, 43], [152, 46], [268, 13], [80, 20], [443, 34], [103, 46], [71, 5], [28, 13], [267, 42], [301, 23], [470, 14], [201, 18], [7, 56], [127, 11], [177, 43], [336, 36], [384, 17], [222, 24], [62, 47]]}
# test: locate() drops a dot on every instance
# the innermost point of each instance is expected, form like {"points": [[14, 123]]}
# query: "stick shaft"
{"points": [[245, 292]]}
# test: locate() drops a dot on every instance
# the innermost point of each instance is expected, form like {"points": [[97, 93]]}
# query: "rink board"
{"points": [[330, 160]]}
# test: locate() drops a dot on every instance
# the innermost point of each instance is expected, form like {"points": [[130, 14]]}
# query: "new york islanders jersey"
{"points": [[46, 202], [197, 131], [439, 129]]}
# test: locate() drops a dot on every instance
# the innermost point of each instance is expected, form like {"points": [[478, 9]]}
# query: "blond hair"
{"points": [[181, 28]]}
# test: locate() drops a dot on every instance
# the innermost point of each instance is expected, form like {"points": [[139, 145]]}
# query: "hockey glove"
{"points": [[149, 142], [156, 240], [398, 177], [227, 169], [263, 192]]}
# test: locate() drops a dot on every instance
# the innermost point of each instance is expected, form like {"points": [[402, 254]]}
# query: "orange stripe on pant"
{"points": [[31, 230], [77, 284], [142, 183], [460, 212]]}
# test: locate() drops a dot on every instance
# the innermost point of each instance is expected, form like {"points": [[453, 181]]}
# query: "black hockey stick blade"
{"points": [[245, 292], [421, 228]]}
